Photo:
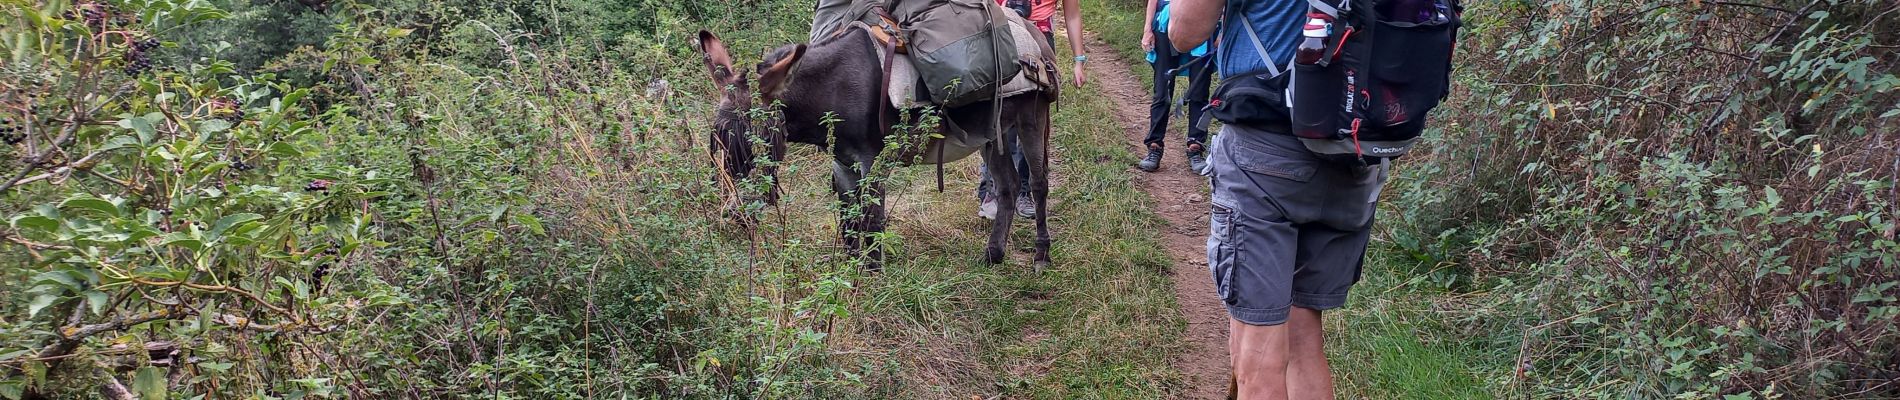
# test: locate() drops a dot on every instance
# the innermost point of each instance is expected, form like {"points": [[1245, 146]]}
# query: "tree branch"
{"points": [[1760, 6], [111, 388], [66, 134], [70, 336], [223, 289]]}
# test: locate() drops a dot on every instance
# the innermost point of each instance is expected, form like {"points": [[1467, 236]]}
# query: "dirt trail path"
{"points": [[1178, 198]]}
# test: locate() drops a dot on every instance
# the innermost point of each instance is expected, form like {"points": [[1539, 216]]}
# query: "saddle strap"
{"points": [[884, 32]]}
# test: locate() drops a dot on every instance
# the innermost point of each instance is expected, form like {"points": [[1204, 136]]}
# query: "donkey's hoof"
{"points": [[1041, 265], [993, 255]]}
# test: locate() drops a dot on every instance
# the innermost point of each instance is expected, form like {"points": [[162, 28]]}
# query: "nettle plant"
{"points": [[163, 229]]}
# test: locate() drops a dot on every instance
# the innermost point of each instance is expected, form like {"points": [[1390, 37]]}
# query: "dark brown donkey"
{"points": [[842, 77]]}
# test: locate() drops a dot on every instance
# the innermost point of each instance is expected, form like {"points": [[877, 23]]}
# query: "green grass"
{"points": [[1392, 340], [1100, 322]]}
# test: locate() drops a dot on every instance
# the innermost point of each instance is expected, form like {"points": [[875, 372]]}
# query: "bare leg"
{"points": [[1004, 168], [1308, 376], [1260, 360]]}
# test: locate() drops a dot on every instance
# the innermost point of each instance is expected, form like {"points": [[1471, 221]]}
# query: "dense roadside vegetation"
{"points": [[1681, 199], [323, 199], [412, 206]]}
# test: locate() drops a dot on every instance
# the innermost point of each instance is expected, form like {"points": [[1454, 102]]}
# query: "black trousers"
{"points": [[1200, 80]]}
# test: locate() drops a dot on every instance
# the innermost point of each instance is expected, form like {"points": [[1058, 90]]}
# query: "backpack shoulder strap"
{"points": [[1329, 8], [1261, 49]]}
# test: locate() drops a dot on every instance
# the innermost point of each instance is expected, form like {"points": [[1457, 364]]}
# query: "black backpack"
{"points": [[1367, 98]]}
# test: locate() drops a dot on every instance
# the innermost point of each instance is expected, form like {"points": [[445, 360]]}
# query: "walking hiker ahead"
{"points": [[1294, 189], [1168, 63]]}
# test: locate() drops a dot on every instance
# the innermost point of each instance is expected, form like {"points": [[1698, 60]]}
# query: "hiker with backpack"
{"points": [[1167, 64], [1311, 124]]}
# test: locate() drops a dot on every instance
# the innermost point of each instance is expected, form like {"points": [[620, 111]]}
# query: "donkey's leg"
{"points": [[996, 157], [1034, 135], [861, 211], [844, 183], [872, 224]]}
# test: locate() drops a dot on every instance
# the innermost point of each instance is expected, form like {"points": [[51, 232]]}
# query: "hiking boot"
{"points": [[1025, 206], [1153, 161], [986, 205], [1197, 160]]}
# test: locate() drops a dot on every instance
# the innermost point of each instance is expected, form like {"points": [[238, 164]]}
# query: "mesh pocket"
{"points": [[1411, 73]]}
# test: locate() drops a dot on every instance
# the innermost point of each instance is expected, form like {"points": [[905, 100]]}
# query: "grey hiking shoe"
{"points": [[1197, 160], [1025, 206], [1153, 161], [986, 205]]}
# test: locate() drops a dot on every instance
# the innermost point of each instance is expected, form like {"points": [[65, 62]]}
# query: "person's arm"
{"points": [[1148, 27], [1192, 22], [1072, 20]]}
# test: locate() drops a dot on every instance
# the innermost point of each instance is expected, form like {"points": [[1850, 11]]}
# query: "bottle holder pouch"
{"points": [[1326, 98]]}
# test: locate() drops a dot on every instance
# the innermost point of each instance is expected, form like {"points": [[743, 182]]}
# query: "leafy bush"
{"points": [[455, 206], [168, 217], [1690, 200]]}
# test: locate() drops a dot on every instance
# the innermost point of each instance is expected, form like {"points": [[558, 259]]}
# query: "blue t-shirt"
{"points": [[1277, 23]]}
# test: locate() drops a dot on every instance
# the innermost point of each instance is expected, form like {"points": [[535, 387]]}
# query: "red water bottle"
{"points": [[1312, 50]]}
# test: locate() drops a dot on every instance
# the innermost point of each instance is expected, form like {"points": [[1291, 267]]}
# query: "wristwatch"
{"points": [[1081, 59]]}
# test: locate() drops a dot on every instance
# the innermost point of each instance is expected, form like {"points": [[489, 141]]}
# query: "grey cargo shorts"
{"points": [[1286, 229]]}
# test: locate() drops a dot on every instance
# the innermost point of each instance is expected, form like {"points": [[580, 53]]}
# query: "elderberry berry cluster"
{"points": [[239, 166], [9, 133], [101, 16], [136, 63], [227, 109], [316, 276], [137, 59], [323, 269], [93, 13]]}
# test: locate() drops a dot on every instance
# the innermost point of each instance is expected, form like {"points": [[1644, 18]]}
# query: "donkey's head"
{"points": [[733, 127]]}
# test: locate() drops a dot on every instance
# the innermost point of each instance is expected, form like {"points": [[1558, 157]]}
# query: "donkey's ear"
{"points": [[718, 61], [774, 77]]}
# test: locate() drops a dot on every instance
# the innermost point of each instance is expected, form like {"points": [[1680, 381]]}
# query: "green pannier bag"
{"points": [[962, 49]]}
